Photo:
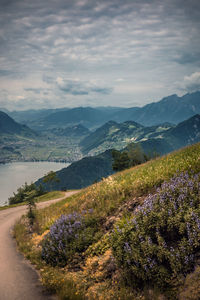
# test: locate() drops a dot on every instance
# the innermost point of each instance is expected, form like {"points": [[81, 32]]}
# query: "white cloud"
{"points": [[192, 83]]}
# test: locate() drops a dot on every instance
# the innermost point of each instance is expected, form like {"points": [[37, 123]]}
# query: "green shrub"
{"points": [[162, 239], [70, 234], [25, 193], [31, 210]]}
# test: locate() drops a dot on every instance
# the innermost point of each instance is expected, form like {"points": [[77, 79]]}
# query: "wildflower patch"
{"points": [[162, 239], [70, 234]]}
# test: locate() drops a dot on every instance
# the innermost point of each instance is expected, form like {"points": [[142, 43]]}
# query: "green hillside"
{"points": [[9, 126], [118, 135], [162, 138], [186, 132], [115, 241], [110, 135], [82, 173]]}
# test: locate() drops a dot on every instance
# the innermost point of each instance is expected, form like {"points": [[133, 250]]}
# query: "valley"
{"points": [[68, 135]]}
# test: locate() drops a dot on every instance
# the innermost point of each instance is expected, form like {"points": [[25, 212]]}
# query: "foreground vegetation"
{"points": [[115, 241]]}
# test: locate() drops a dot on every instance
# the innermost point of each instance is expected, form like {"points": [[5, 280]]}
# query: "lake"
{"points": [[14, 175]]}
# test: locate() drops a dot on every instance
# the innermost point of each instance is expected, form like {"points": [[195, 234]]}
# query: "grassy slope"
{"points": [[110, 200]]}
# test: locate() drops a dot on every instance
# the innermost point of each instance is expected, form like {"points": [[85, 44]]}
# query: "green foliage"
{"points": [[162, 240], [121, 160], [26, 193], [100, 247], [131, 157], [136, 154], [70, 234], [31, 208]]}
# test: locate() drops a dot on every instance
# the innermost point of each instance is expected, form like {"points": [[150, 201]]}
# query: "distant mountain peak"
{"points": [[9, 126]]}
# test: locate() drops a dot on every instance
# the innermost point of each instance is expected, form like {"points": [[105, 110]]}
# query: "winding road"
{"points": [[18, 279]]}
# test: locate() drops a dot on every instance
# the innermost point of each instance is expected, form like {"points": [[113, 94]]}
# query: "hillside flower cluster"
{"points": [[162, 239], [62, 233], [68, 235]]}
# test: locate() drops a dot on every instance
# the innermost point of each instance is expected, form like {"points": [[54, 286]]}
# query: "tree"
{"points": [[25, 192], [121, 160], [132, 156], [136, 154], [30, 198]]}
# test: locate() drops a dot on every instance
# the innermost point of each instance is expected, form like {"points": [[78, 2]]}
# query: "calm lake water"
{"points": [[14, 175]]}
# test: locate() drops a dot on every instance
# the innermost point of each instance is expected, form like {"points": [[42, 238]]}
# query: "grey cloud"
{"points": [[47, 78], [33, 90], [104, 91], [78, 87], [95, 24], [100, 40], [11, 74], [188, 58], [5, 73]]}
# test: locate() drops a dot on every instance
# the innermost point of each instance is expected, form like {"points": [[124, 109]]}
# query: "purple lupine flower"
{"points": [[127, 247]]}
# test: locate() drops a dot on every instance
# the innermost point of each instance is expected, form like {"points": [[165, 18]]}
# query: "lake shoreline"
{"points": [[14, 174], [24, 161]]}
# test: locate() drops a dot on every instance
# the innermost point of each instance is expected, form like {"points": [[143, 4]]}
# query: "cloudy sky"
{"points": [[68, 53]]}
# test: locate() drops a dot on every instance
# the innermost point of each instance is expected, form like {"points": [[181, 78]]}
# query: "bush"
{"points": [[162, 239], [25, 193], [70, 234]]}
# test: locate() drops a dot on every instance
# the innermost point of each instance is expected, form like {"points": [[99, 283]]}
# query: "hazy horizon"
{"points": [[92, 106]]}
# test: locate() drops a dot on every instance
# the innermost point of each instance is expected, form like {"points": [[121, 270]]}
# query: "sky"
{"points": [[69, 53]]}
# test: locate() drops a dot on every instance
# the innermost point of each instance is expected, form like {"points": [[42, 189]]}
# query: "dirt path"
{"points": [[18, 279]]}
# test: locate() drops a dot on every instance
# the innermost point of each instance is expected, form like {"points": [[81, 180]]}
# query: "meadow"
{"points": [[118, 239]]}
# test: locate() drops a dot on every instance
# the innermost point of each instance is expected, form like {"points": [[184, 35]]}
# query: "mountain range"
{"points": [[117, 136], [172, 109], [163, 140], [68, 134]]}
